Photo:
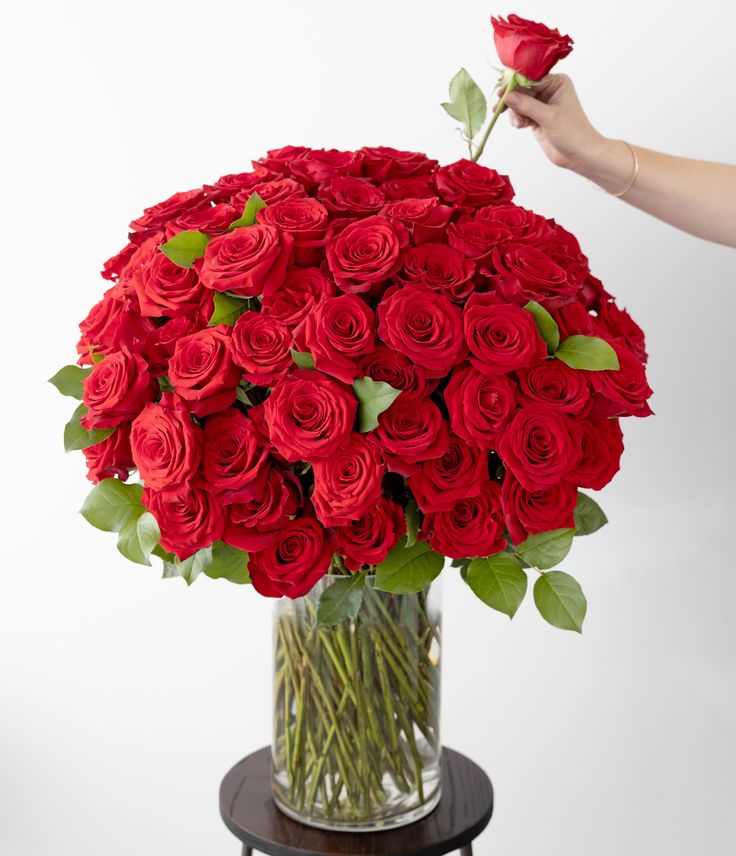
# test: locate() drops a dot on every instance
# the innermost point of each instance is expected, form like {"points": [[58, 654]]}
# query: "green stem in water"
{"points": [[511, 81]]}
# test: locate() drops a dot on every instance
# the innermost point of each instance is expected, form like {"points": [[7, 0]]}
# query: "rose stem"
{"points": [[513, 82]]}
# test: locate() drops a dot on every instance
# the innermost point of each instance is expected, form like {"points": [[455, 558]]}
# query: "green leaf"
{"points": [[96, 358], [374, 397], [77, 437], [70, 381], [587, 352], [560, 600], [341, 600], [303, 360], [112, 505], [412, 522], [408, 569], [185, 247], [228, 309], [467, 103], [228, 563], [248, 217], [499, 581], [138, 538], [546, 549], [241, 393], [546, 325], [589, 516], [190, 568]]}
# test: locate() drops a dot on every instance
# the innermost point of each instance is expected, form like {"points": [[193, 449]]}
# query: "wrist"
{"points": [[606, 162]]}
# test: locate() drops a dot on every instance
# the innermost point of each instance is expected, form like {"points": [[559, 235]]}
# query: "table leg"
{"points": [[467, 850], [247, 850]]}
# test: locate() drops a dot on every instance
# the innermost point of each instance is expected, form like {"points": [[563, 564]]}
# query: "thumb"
{"points": [[528, 106]]}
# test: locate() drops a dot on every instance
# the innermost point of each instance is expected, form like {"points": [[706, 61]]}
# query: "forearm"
{"points": [[698, 197]]}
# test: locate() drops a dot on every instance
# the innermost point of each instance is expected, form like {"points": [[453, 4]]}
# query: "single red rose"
{"points": [[348, 483], [234, 461], [387, 365], [565, 252], [555, 384], [337, 333], [468, 185], [279, 161], [383, 163], [261, 346], [425, 219], [529, 512], [530, 48], [112, 324], [602, 447], [593, 294], [110, 458], [239, 182], [370, 538], [524, 227], [210, 219], [294, 562], [189, 519], [161, 342], [247, 261], [439, 268], [254, 525], [480, 405], [410, 432], [526, 273], [166, 444], [575, 320], [460, 473], [117, 389], [472, 527], [415, 187], [501, 337], [202, 370], [309, 416], [365, 252], [424, 326], [160, 214], [355, 195], [618, 324], [114, 267], [541, 446], [316, 166], [302, 289], [165, 289], [621, 392], [271, 192], [305, 220], [477, 239]]}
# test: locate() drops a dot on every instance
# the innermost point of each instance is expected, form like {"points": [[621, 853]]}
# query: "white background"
{"points": [[123, 699]]}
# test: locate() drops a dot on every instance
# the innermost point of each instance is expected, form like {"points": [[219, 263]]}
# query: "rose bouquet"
{"points": [[352, 365]]}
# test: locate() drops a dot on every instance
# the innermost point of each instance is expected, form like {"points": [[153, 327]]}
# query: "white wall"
{"points": [[123, 699]]}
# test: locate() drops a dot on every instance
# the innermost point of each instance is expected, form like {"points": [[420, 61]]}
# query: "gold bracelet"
{"points": [[635, 175]]}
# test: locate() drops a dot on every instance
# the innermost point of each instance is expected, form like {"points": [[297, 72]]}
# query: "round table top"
{"points": [[251, 814]]}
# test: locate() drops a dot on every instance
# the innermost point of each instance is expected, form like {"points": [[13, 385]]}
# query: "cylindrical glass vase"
{"points": [[356, 739]]}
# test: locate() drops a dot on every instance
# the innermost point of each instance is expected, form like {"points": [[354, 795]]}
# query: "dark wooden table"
{"points": [[251, 814]]}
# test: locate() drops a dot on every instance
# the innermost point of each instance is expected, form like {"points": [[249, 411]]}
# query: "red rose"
{"points": [[468, 184], [541, 446], [574, 319], [472, 527], [425, 219], [165, 289], [247, 261], [460, 473], [415, 187], [355, 195], [501, 337], [555, 384], [261, 346], [210, 219], [624, 391], [365, 253], [477, 239], [279, 161], [111, 325], [298, 558], [618, 324], [234, 461], [386, 365], [337, 332], [528, 47], [316, 166], [410, 432], [161, 342], [158, 215], [114, 267], [440, 268], [309, 416], [480, 405], [382, 163], [423, 325], [525, 227], [602, 447], [305, 220], [229, 185], [254, 525], [116, 390], [348, 483], [565, 252], [166, 444], [202, 370], [370, 538], [592, 294], [111, 457], [271, 192], [292, 301], [528, 512], [526, 273], [189, 519]]}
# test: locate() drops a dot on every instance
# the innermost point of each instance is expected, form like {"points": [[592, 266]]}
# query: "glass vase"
{"points": [[356, 740]]}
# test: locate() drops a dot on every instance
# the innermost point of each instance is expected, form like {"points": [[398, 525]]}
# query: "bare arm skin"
{"points": [[698, 197]]}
